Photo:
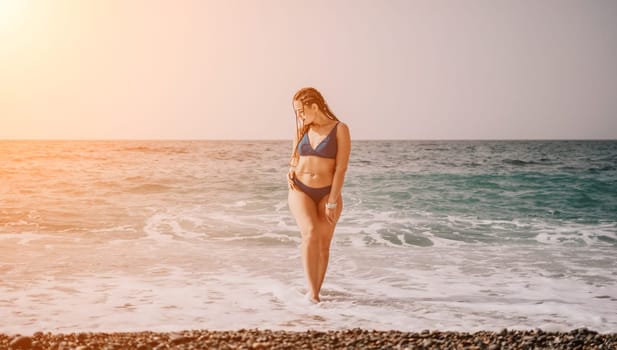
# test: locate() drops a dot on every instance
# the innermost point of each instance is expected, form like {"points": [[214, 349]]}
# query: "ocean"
{"points": [[171, 235]]}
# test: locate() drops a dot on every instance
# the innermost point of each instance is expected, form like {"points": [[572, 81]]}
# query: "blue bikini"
{"points": [[326, 149]]}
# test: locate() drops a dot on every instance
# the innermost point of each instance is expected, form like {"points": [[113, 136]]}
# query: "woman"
{"points": [[317, 171]]}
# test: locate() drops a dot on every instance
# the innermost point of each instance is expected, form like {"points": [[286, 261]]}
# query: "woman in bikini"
{"points": [[318, 164]]}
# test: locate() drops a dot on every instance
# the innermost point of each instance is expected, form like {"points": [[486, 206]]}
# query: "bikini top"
{"points": [[326, 148]]}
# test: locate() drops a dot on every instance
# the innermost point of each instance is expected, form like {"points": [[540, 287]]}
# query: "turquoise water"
{"points": [[470, 189], [168, 235]]}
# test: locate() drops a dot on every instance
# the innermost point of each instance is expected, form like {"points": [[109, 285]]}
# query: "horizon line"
{"points": [[276, 140]]}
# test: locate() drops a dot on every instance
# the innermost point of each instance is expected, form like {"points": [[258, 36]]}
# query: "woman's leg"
{"points": [[305, 212], [325, 233]]}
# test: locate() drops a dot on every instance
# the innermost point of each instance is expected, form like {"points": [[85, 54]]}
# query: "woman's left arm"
{"points": [[343, 141]]}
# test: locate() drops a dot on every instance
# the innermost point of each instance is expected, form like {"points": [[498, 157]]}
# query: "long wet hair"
{"points": [[307, 96]]}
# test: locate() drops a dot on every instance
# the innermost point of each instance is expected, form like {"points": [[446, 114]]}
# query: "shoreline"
{"points": [[356, 338]]}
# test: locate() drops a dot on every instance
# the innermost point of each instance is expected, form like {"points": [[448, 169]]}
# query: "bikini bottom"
{"points": [[316, 194]]}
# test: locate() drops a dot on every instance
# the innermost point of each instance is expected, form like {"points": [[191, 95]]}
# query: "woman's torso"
{"points": [[317, 159]]}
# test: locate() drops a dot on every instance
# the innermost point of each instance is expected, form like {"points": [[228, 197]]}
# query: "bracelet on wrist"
{"points": [[330, 205]]}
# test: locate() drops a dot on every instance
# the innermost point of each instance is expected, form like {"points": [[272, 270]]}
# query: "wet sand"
{"points": [[342, 339]]}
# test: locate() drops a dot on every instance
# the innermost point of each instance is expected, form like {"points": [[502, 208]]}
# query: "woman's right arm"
{"points": [[291, 174]]}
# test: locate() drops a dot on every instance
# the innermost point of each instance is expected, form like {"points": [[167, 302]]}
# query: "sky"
{"points": [[227, 69]]}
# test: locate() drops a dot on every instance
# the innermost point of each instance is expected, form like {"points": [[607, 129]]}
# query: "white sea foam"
{"points": [[366, 287], [577, 234], [27, 237]]}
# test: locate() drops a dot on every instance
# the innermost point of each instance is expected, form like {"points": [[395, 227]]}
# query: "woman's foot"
{"points": [[312, 298]]}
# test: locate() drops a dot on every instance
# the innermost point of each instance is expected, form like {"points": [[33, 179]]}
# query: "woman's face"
{"points": [[305, 112]]}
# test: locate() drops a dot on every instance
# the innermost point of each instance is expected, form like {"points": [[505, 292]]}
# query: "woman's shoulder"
{"points": [[342, 127], [342, 132]]}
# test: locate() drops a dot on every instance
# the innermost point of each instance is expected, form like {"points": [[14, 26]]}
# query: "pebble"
{"points": [[180, 339], [21, 342]]}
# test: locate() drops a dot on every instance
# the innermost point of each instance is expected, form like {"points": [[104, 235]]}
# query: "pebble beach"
{"points": [[341, 339]]}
